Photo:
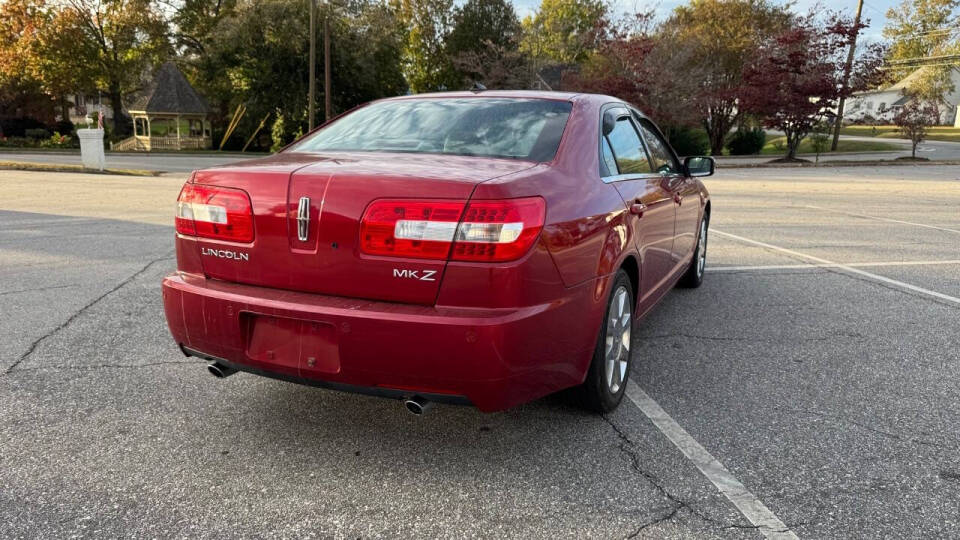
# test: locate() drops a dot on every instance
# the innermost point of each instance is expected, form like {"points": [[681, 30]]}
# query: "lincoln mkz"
{"points": [[483, 248]]}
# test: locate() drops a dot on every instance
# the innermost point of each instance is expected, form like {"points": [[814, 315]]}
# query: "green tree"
{"points": [[481, 21], [484, 41], [426, 62], [564, 31], [721, 36], [118, 41], [920, 29], [256, 54]]}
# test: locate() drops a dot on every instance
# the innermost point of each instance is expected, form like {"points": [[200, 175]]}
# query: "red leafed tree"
{"points": [[637, 65], [795, 80], [915, 118]]}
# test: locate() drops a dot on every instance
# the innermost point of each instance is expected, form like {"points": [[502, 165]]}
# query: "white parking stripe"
{"points": [[749, 505], [846, 268], [865, 216], [835, 265]]}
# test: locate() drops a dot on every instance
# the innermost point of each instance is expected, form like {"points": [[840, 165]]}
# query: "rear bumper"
{"points": [[492, 358]]}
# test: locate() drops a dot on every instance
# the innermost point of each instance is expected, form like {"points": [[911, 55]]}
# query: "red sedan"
{"points": [[482, 248]]}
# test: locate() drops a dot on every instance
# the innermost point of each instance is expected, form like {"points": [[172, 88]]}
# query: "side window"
{"points": [[660, 152], [628, 153], [607, 155]]}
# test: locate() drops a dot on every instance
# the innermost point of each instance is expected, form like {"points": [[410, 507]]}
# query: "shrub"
{"points": [[745, 142], [63, 126], [688, 141], [36, 133], [16, 142], [17, 127], [57, 141]]}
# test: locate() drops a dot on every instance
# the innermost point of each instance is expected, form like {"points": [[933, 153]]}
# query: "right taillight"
{"points": [[484, 230], [214, 212]]}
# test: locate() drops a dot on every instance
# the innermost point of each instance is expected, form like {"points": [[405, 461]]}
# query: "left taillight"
{"points": [[215, 212], [480, 230]]}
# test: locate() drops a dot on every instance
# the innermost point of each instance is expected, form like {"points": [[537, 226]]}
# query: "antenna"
{"points": [[478, 87]]}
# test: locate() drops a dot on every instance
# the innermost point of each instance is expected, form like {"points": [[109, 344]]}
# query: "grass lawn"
{"points": [[770, 149], [939, 133]]}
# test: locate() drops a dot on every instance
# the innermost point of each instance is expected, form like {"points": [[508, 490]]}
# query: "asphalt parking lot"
{"points": [[810, 388]]}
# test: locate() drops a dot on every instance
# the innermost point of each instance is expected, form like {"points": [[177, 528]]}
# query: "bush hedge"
{"points": [[745, 142], [688, 141]]}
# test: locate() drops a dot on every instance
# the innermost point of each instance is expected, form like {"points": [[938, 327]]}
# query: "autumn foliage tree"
{"points": [[794, 80], [636, 64], [717, 38], [914, 119]]}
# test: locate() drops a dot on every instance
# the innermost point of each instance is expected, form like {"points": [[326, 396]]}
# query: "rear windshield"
{"points": [[527, 129]]}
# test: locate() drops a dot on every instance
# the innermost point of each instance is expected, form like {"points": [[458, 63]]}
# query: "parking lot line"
{"points": [[846, 268], [824, 265], [749, 505], [888, 220]]}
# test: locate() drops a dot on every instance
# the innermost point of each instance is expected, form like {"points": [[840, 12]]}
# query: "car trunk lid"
{"points": [[307, 212]]}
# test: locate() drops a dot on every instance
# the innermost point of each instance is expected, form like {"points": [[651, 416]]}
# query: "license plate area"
{"points": [[293, 346]]}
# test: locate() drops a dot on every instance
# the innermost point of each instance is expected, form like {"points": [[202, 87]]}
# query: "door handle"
{"points": [[677, 198], [638, 208]]}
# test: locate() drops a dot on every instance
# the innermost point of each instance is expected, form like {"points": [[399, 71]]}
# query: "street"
{"points": [[173, 163], [818, 366]]}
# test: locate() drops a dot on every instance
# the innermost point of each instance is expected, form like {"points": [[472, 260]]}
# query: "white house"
{"points": [[882, 104]]}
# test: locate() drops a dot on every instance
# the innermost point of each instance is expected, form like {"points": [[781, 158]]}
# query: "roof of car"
{"points": [[528, 94]]}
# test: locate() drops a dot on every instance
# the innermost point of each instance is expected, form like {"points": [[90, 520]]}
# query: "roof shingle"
{"points": [[169, 92]]}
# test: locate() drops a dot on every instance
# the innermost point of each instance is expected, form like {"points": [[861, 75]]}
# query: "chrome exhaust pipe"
{"points": [[417, 405], [220, 371]]}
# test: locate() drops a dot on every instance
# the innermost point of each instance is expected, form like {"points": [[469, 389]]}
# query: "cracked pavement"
{"points": [[833, 398]]}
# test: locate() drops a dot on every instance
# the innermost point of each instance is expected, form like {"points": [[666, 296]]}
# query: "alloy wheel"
{"points": [[617, 340], [702, 248]]}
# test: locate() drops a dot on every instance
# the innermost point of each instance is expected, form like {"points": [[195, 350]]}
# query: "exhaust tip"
{"points": [[220, 371], [417, 405]]}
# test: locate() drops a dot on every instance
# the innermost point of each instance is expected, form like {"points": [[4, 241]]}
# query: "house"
{"points": [[84, 107], [882, 104]]}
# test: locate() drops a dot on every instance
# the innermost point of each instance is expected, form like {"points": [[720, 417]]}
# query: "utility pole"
{"points": [[311, 99], [846, 78], [327, 107]]}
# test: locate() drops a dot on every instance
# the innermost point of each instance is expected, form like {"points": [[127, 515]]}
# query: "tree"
{"points": [[721, 36], [117, 41], [919, 29], [563, 31], [914, 119], [255, 54], [794, 80], [480, 21], [497, 67], [483, 44], [426, 64], [820, 139], [634, 63], [20, 89]]}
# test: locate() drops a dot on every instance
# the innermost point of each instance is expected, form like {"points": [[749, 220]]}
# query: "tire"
{"points": [[609, 371], [693, 277]]}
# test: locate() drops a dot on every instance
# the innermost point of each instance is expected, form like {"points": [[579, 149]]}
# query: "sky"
{"points": [[874, 10]]}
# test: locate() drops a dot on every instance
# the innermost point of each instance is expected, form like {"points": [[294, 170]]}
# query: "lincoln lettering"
{"points": [[225, 254]]}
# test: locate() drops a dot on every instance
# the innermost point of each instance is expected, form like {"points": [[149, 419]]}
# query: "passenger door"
{"points": [[684, 190], [625, 165]]}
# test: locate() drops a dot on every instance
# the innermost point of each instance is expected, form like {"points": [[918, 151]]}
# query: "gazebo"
{"points": [[169, 115]]}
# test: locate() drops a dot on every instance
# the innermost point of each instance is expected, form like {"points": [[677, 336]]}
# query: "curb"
{"points": [[45, 167], [838, 163]]}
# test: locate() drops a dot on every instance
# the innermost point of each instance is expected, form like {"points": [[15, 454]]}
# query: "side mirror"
{"points": [[609, 121], [699, 166]]}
